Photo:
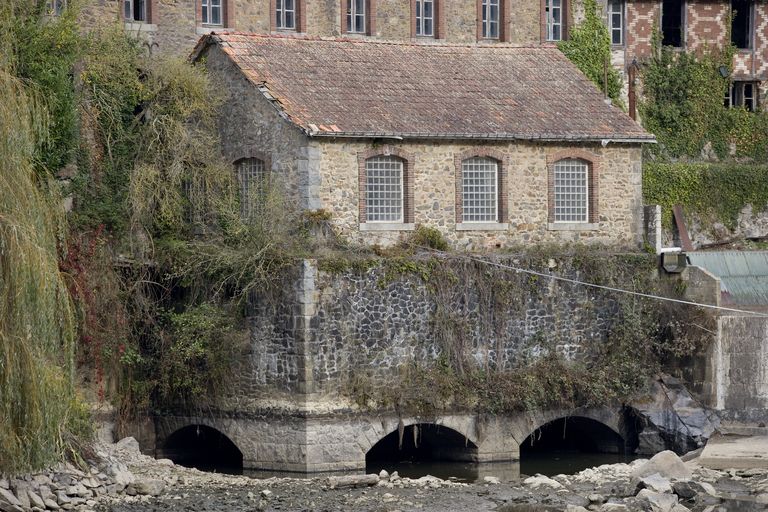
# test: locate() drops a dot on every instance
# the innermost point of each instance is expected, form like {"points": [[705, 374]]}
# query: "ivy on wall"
{"points": [[716, 191], [589, 48], [683, 105]]}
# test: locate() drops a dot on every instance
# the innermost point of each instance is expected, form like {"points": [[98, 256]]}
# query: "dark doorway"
{"points": [[425, 448], [672, 22], [204, 448], [568, 445]]}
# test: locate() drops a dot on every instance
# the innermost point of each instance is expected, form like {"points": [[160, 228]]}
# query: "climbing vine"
{"points": [[717, 192], [473, 301], [589, 48], [683, 106]]}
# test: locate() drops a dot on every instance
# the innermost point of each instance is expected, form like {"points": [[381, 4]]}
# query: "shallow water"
{"points": [[549, 464]]}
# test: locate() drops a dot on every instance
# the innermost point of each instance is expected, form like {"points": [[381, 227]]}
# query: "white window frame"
{"points": [[252, 179], [612, 28], [736, 96], [495, 195], [549, 8], [129, 7], [422, 18], [491, 22], [750, 26], [208, 7], [557, 214], [369, 192], [353, 14], [281, 14]]}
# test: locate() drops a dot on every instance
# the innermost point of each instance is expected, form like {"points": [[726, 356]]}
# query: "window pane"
{"points": [[289, 20], [216, 15], [360, 23], [479, 193], [427, 27], [384, 189], [128, 10], [427, 9], [571, 191]]}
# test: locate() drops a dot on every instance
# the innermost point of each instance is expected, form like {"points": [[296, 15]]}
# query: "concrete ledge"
{"points": [[738, 452], [573, 226], [133, 26], [201, 31], [482, 226], [386, 226]]}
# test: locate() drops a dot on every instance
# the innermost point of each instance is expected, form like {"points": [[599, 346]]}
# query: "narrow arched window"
{"points": [[384, 189], [480, 190], [571, 190], [252, 179]]}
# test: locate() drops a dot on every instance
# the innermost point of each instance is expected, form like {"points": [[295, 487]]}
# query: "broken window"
{"points": [[742, 95], [479, 190], [571, 192], [211, 12], [616, 21], [553, 12], [741, 23], [135, 10], [356, 16], [425, 17], [384, 189], [490, 13], [285, 14], [672, 23]]}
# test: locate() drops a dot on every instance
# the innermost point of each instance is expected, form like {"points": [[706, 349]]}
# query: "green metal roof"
{"points": [[743, 274]]}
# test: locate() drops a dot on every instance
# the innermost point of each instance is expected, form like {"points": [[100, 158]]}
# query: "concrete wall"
{"points": [[739, 366]]}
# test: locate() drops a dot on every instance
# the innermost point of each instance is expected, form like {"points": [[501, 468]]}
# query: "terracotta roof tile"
{"points": [[338, 87]]}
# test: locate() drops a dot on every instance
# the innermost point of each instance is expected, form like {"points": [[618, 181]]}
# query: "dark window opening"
{"points": [[742, 94], [135, 10], [672, 20], [204, 448], [741, 23]]}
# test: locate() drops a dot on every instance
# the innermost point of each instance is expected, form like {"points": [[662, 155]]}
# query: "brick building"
{"points": [[385, 136], [175, 26]]}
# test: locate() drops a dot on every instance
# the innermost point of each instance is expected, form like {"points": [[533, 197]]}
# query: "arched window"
{"points": [[480, 190], [253, 180], [384, 189], [571, 191]]}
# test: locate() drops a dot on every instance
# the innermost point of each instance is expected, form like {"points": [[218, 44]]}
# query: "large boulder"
{"points": [[672, 419], [667, 464]]}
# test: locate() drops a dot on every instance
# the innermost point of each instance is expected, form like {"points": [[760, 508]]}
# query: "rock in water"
{"points": [[335, 482], [667, 464]]}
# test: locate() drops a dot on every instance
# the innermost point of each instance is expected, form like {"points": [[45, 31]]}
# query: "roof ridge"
{"points": [[392, 42]]}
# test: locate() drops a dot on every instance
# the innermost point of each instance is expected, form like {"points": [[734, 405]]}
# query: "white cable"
{"points": [[599, 286]]}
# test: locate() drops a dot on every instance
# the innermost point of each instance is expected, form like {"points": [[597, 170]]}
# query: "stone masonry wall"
{"points": [[251, 127], [619, 192], [319, 328]]}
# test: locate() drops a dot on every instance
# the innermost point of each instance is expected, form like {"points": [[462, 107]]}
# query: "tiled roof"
{"points": [[341, 87]]}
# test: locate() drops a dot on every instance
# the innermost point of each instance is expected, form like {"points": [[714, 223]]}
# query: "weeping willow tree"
{"points": [[37, 404], [36, 320]]}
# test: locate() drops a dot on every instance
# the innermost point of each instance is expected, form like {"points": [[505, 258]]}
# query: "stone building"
{"points": [[490, 145]]}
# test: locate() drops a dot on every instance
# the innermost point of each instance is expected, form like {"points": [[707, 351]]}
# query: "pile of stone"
{"points": [[384, 479], [66, 487], [662, 484]]}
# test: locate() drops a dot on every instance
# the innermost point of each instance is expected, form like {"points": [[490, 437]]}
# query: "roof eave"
{"points": [[605, 140]]}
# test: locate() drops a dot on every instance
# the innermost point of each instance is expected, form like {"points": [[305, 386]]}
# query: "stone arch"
{"points": [[423, 441], [613, 419], [199, 442]]}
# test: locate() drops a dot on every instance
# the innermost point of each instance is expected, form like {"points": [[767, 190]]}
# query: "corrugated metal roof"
{"points": [[743, 274]]}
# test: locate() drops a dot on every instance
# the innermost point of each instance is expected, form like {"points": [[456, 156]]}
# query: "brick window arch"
{"points": [[572, 184], [481, 187], [385, 186]]}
